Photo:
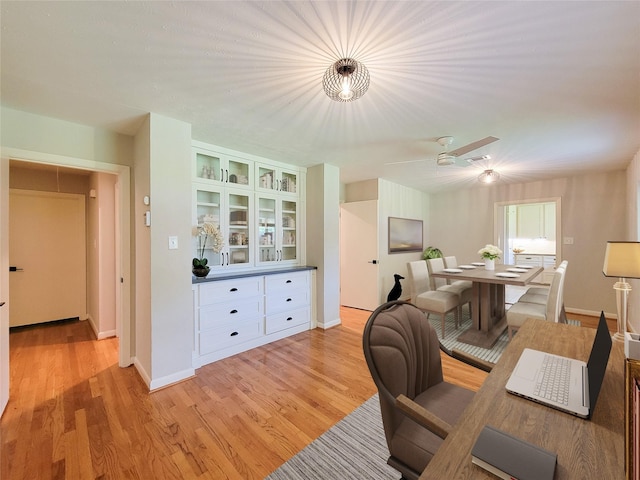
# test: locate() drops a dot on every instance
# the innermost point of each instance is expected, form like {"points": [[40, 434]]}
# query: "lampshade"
{"points": [[622, 259], [489, 176], [346, 80]]}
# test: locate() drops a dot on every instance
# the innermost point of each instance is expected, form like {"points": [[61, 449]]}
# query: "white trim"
{"points": [[158, 383]]}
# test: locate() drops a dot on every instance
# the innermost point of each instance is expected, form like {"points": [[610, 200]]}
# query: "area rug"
{"points": [[354, 448], [451, 334]]}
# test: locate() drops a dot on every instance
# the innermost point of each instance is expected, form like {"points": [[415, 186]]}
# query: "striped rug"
{"points": [[451, 334], [354, 448]]}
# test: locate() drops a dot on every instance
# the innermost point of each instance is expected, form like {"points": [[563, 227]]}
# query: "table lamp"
{"points": [[622, 260]]}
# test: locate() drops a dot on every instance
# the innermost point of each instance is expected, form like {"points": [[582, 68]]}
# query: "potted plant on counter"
{"points": [[205, 232]]}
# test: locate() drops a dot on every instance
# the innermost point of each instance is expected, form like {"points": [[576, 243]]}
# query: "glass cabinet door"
{"points": [[276, 179], [208, 167], [289, 249], [207, 211], [211, 167], [267, 234], [238, 229]]}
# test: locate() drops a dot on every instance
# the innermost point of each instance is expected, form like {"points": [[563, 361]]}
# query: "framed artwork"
{"points": [[405, 235]]}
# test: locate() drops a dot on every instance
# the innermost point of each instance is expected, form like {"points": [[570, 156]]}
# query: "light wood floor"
{"points": [[73, 413]]}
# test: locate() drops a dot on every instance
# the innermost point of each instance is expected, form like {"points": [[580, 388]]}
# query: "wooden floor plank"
{"points": [[73, 413]]}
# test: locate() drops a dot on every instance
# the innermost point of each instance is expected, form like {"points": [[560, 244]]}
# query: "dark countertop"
{"points": [[214, 277]]}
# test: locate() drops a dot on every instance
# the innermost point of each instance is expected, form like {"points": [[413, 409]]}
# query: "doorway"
{"points": [[123, 248], [359, 283], [47, 249], [529, 232]]}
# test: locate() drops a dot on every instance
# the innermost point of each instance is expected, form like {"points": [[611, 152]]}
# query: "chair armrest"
{"points": [[422, 416], [468, 359], [472, 360]]}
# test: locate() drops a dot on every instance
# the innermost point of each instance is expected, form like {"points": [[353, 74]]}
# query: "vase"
{"points": [[200, 271], [489, 264]]}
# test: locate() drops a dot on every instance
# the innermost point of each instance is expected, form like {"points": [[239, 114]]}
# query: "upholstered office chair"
{"points": [[418, 407], [551, 311], [427, 300]]}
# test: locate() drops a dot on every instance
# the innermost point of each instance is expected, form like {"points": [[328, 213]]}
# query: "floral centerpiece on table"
{"points": [[490, 252], [205, 232]]}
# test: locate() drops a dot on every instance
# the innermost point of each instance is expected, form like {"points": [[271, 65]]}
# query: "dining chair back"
{"points": [[551, 311], [430, 301]]}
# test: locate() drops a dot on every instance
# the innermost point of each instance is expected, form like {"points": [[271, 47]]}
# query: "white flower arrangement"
{"points": [[203, 232], [490, 251]]}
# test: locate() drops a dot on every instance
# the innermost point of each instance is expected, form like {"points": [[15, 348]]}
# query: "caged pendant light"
{"points": [[346, 80]]}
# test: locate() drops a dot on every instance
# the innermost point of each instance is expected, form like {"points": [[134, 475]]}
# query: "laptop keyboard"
{"points": [[553, 380]]}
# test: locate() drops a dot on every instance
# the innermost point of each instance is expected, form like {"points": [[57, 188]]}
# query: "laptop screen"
{"points": [[597, 364]]}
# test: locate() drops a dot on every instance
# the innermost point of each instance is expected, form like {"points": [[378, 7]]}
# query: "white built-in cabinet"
{"points": [[536, 220], [256, 205], [233, 315]]}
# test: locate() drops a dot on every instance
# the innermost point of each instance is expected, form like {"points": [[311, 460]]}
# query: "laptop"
{"points": [[577, 384]]}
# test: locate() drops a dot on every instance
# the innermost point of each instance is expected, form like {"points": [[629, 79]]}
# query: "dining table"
{"points": [[488, 310]]}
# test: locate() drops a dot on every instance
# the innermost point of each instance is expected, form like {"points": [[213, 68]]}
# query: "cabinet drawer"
{"points": [[287, 281], [282, 321], [225, 290], [228, 336], [285, 301], [227, 312]]}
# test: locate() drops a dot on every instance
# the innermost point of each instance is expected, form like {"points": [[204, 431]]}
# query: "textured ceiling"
{"points": [[557, 82]]}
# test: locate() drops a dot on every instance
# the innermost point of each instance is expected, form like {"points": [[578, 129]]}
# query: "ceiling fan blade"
{"points": [[467, 161], [472, 146], [406, 161]]}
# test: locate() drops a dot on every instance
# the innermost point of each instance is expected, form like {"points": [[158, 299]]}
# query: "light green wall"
{"points": [[323, 239], [26, 131], [171, 294]]}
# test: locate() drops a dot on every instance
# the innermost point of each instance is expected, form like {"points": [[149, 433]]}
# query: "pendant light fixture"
{"points": [[346, 80], [489, 176]]}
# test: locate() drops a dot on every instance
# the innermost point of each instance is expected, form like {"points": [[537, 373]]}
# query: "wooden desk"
{"points": [[586, 448], [487, 301]]}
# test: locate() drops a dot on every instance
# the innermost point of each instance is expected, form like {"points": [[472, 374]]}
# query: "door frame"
{"points": [[500, 222], [122, 229]]}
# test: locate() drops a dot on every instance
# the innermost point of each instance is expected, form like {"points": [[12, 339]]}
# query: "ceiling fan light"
{"points": [[489, 176], [346, 80]]}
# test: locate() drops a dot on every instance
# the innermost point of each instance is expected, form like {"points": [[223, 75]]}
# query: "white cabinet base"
{"points": [[233, 315]]}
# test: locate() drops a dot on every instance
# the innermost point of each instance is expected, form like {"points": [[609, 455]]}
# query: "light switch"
{"points": [[568, 240], [173, 243]]}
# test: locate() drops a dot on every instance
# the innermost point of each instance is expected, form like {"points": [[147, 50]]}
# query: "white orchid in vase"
{"points": [[204, 232], [490, 252]]}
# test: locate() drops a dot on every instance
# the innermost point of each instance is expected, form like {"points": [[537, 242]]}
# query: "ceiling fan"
{"points": [[453, 157]]}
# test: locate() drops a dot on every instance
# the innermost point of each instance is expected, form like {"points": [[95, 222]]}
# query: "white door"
{"points": [[359, 255], [4, 283], [47, 258]]}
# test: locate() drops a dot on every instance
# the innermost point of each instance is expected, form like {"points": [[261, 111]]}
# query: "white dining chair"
{"points": [[430, 301], [552, 310], [462, 288]]}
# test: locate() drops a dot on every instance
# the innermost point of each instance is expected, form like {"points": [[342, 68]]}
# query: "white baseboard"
{"points": [[330, 324], [591, 313], [162, 382]]}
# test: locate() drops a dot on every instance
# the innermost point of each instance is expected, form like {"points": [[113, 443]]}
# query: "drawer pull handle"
{"points": [[233, 311], [289, 319], [234, 289], [288, 281], [233, 334], [288, 299]]}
